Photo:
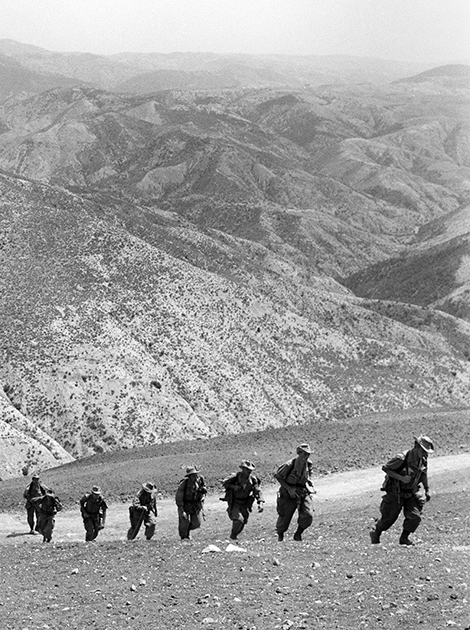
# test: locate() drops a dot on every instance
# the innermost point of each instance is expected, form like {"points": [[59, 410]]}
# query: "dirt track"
{"points": [[335, 491]]}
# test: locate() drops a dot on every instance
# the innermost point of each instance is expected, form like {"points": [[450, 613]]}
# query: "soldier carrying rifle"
{"points": [[93, 508], [295, 493], [406, 488], [242, 489], [189, 498], [143, 510]]}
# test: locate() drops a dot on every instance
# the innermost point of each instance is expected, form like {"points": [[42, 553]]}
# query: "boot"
{"points": [[280, 536], [375, 536], [404, 540], [298, 534]]}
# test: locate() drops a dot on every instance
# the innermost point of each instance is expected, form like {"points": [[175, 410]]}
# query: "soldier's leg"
{"points": [[40, 524], [183, 526], [238, 520], [150, 523], [32, 518], [89, 529], [412, 509], [390, 509], [195, 521], [286, 507], [135, 517], [47, 529], [305, 516]]}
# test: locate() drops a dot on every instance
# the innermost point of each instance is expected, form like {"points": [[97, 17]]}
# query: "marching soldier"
{"points": [[34, 490], [241, 491], [47, 507], [143, 510], [190, 497], [93, 508], [295, 493], [406, 488]]}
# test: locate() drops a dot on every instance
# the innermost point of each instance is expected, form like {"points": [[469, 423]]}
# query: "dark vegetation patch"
{"points": [[420, 278]]}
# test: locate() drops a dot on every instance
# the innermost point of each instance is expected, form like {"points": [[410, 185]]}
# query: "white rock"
{"points": [[211, 549], [231, 547]]}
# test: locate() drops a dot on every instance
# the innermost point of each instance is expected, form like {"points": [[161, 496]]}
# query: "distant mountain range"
{"points": [[184, 263], [139, 72]]}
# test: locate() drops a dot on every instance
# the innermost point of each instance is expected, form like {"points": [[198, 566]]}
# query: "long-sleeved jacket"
{"points": [[92, 505], [407, 463], [147, 500], [295, 475], [32, 491], [191, 492], [47, 505], [243, 491]]}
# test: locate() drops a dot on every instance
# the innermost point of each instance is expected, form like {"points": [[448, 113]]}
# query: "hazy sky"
{"points": [[412, 30]]}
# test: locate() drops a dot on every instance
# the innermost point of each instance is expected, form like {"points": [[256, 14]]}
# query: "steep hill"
{"points": [[172, 261]]}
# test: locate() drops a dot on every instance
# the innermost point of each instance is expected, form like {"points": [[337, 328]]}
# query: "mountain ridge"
{"points": [[182, 264]]}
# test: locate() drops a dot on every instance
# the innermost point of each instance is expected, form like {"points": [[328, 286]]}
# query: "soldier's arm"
{"points": [[425, 482], [280, 474], [179, 497]]}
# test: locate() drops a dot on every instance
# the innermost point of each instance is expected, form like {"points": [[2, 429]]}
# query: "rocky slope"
{"points": [[171, 262]]}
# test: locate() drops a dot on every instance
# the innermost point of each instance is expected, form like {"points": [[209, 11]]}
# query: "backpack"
{"points": [[391, 485]]}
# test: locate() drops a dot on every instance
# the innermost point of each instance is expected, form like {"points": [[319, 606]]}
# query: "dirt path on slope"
{"points": [[334, 492]]}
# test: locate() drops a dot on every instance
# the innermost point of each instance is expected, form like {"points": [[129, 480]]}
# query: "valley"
{"points": [[209, 260]]}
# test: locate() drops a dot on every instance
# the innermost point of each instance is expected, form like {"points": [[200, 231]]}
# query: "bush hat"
{"points": [[304, 448], [35, 476], [49, 492], [96, 490], [425, 442], [247, 464], [148, 487], [191, 470]]}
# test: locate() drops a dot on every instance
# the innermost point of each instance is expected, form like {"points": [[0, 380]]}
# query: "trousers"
{"points": [[239, 514], [391, 507], [286, 507], [139, 516]]}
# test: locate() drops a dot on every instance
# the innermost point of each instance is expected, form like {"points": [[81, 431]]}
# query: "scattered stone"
{"points": [[211, 549], [74, 572], [231, 548], [276, 562]]}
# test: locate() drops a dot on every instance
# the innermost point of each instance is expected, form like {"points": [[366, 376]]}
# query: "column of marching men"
{"points": [[405, 486]]}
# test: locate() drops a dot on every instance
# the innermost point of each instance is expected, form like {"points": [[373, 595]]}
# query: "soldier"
{"points": [[242, 489], [190, 497], [47, 507], [406, 479], [143, 510], [295, 493], [34, 490], [93, 508]]}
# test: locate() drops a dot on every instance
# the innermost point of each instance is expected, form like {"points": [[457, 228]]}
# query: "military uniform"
{"points": [[93, 508], [33, 491], [407, 488], [143, 510], [189, 500], [47, 507], [242, 490], [295, 493]]}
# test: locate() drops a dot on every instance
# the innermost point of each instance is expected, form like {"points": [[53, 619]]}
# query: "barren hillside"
{"points": [[172, 263]]}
